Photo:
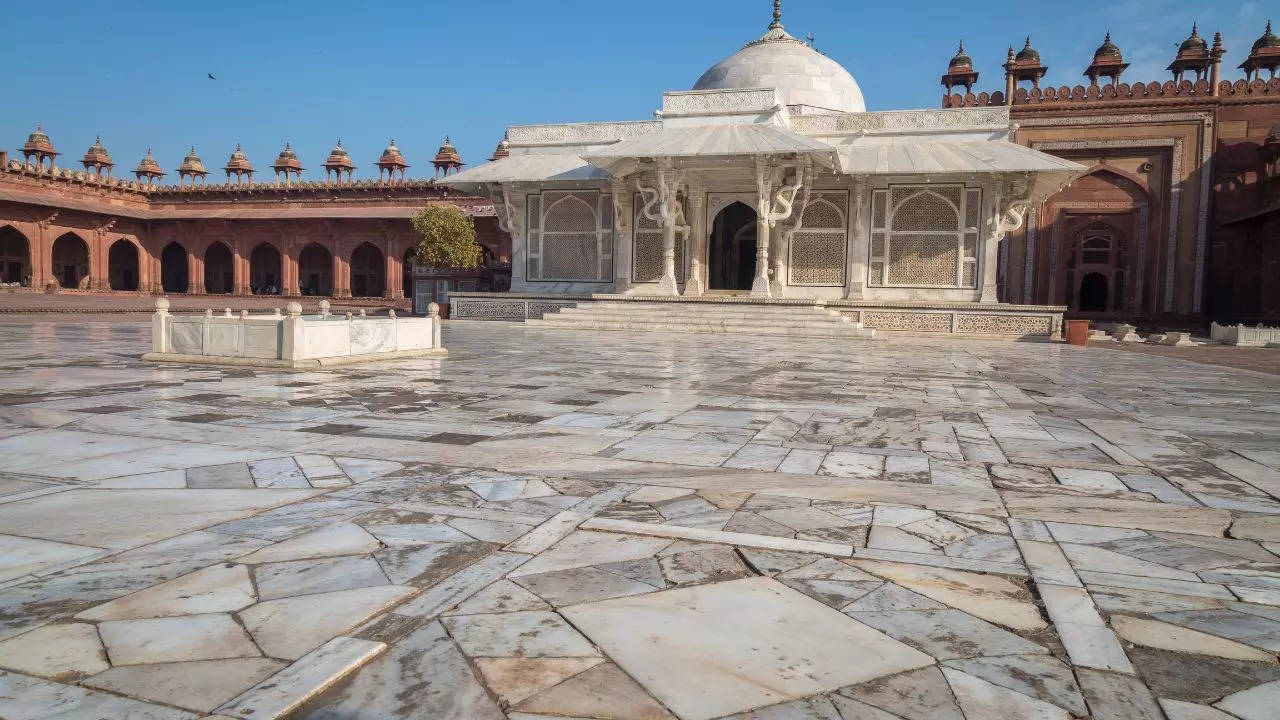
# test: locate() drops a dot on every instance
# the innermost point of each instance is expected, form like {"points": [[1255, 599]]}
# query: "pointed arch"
{"points": [[219, 268], [173, 268], [265, 269], [569, 214], [70, 256], [15, 256], [368, 271], [123, 268], [315, 270]]}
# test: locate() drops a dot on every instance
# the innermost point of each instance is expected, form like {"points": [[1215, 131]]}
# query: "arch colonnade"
{"points": [[40, 254]]}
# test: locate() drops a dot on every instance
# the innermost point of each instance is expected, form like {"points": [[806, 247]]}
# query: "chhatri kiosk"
{"points": [[770, 184]]}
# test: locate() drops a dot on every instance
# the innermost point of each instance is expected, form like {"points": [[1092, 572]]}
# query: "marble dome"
{"points": [[808, 81]]}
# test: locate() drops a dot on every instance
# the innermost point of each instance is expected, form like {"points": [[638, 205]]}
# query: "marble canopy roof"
{"points": [[753, 122]]}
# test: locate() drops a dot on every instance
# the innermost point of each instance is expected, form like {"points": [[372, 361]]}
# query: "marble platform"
{"points": [[613, 525]]}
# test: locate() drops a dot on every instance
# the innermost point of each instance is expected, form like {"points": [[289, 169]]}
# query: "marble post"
{"points": [[859, 247], [696, 243], [764, 188], [623, 253]]}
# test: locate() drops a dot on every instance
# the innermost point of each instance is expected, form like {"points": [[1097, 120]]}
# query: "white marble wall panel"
{"points": [[326, 339], [187, 336], [371, 336], [413, 334], [262, 340], [224, 338]]}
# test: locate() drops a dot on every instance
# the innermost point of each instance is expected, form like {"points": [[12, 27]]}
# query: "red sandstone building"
{"points": [[89, 231], [1177, 222], [1170, 226]]}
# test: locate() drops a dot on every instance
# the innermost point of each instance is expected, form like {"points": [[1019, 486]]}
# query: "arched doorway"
{"points": [[15, 256], [315, 271], [122, 265], [1093, 292], [1096, 268], [407, 270], [71, 261], [264, 270], [368, 272], [731, 263], [219, 269], [173, 268]]}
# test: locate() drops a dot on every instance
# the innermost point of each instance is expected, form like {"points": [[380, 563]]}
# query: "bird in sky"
{"points": [[211, 77]]}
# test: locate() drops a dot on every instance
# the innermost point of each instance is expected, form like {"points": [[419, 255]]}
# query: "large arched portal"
{"points": [[15, 256], [264, 270], [315, 270], [368, 272], [173, 268], [731, 261], [71, 261], [219, 269], [122, 265]]}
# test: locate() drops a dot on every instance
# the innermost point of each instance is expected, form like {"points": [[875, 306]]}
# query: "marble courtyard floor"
{"points": [[558, 524]]}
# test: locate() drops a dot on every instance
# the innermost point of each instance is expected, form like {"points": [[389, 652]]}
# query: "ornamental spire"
{"points": [[777, 15]]}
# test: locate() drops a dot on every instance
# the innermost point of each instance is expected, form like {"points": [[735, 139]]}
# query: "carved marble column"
{"points": [[662, 206], [855, 274], [624, 239], [695, 245], [764, 189]]}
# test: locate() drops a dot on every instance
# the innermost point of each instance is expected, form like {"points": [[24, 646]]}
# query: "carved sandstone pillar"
{"points": [[289, 268], [239, 267]]}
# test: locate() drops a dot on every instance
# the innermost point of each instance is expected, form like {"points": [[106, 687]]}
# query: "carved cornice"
{"points": [[901, 120], [579, 133], [727, 102]]}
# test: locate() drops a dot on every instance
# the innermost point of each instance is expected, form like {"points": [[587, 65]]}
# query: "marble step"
{"points": [[826, 330], [628, 312], [695, 307], [570, 321]]}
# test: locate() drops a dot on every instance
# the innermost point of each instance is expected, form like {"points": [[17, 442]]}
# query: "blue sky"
{"points": [[313, 72]]}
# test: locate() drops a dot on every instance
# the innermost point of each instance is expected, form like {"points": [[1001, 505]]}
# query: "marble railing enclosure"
{"points": [[291, 339]]}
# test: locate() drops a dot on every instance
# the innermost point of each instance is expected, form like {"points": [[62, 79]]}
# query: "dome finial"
{"points": [[777, 15], [1194, 28]]}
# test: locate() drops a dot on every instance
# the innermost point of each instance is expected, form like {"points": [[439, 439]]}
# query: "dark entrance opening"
{"points": [[122, 266], [732, 261], [1093, 293], [315, 271], [15, 256], [70, 260], [219, 269], [368, 272], [173, 268], [264, 270]]}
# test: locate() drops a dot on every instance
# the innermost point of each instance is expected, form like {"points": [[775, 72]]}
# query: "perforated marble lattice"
{"points": [[912, 322], [923, 260], [817, 258], [489, 309], [570, 238], [994, 324]]}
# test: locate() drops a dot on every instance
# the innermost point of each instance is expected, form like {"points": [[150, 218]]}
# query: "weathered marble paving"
{"points": [[555, 524]]}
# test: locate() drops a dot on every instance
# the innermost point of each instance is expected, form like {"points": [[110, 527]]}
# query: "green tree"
{"points": [[446, 238]]}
